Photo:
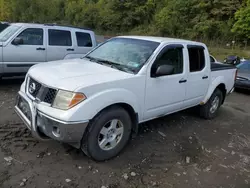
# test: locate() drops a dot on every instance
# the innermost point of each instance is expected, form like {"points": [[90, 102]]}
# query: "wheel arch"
{"points": [[218, 83], [131, 111], [222, 88]]}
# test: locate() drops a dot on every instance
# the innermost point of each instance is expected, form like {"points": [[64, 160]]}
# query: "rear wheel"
{"points": [[108, 134], [210, 109]]}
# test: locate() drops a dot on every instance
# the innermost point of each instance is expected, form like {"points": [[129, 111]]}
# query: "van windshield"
{"points": [[8, 32], [125, 54]]}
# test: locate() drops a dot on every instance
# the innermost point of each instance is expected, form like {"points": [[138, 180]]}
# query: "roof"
{"points": [[51, 25], [161, 39]]}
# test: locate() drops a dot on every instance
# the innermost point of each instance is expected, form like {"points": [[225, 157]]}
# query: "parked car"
{"points": [[243, 77], [24, 45], [3, 25], [233, 60], [97, 102]]}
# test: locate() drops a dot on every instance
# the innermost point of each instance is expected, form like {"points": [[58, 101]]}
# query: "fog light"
{"points": [[56, 132]]}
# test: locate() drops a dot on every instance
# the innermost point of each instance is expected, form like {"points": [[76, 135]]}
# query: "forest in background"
{"points": [[211, 20]]}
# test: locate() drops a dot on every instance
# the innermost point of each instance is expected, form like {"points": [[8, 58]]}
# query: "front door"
{"points": [[165, 94], [32, 50], [198, 76]]}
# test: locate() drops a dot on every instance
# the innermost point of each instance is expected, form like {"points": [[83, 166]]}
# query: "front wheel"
{"points": [[210, 109], [108, 134]]}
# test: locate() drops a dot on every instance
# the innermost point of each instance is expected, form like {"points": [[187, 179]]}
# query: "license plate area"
{"points": [[24, 107]]}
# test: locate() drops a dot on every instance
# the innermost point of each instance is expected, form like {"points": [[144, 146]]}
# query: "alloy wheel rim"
{"points": [[215, 104], [110, 134]]}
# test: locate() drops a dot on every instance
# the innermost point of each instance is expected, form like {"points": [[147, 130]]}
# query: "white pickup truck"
{"points": [[97, 102]]}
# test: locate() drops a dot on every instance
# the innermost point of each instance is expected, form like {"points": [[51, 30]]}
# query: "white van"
{"points": [[23, 45]]}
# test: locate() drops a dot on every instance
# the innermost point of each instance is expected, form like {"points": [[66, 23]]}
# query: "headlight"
{"points": [[65, 99]]}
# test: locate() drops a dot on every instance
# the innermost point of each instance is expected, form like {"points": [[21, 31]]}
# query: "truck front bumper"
{"points": [[43, 126]]}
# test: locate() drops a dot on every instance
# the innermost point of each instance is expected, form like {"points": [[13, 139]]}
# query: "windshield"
{"points": [[124, 53], [8, 32], [244, 66]]}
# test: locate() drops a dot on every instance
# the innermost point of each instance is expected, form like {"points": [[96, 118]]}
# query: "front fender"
{"points": [[214, 84], [88, 109]]}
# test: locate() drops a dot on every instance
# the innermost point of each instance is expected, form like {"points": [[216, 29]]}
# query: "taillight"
{"points": [[236, 74]]}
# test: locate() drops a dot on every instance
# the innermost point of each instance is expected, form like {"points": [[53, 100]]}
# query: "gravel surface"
{"points": [[180, 150]]}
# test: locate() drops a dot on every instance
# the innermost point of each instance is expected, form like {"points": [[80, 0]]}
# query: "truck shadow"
{"points": [[243, 91]]}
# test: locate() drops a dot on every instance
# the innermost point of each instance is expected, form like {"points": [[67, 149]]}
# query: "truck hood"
{"points": [[74, 74]]}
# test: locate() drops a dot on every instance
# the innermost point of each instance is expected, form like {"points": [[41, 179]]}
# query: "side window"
{"points": [[83, 39], [196, 58], [32, 36], [173, 57], [212, 60], [59, 38]]}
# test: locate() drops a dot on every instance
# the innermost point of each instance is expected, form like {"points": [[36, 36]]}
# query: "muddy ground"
{"points": [[180, 150]]}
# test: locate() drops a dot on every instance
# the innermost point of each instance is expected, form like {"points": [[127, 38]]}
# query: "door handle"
{"points": [[205, 77], [40, 49], [70, 49], [182, 81]]}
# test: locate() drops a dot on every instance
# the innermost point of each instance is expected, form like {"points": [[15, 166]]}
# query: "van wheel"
{"points": [[210, 109], [108, 133]]}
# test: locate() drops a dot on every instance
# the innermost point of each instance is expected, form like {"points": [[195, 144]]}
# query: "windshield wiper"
{"points": [[115, 65], [91, 58], [110, 63]]}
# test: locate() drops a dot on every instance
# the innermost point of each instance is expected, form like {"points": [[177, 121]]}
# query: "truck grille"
{"points": [[50, 96], [40, 92], [33, 87]]}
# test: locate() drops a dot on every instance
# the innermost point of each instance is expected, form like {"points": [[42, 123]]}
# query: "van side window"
{"points": [[173, 56], [83, 39], [59, 38], [196, 58], [32, 36]]}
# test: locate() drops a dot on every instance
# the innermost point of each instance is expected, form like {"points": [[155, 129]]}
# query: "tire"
{"points": [[206, 110], [93, 139]]}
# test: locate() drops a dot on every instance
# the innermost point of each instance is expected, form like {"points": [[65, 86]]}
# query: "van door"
{"points": [[31, 49], [59, 44], [84, 42], [198, 76]]}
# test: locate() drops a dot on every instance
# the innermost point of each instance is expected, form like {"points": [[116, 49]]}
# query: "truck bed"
{"points": [[224, 72], [218, 67]]}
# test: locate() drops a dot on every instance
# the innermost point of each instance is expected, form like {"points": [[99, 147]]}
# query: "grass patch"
{"points": [[221, 53]]}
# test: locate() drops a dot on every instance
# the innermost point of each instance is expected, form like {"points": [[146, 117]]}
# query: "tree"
{"points": [[242, 24], [5, 10], [194, 19]]}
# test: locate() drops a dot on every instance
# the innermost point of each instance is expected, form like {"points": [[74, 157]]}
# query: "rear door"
{"points": [[19, 58], [59, 44], [198, 76]]}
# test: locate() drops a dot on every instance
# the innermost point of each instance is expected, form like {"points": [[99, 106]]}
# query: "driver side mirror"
{"points": [[17, 41], [164, 70]]}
